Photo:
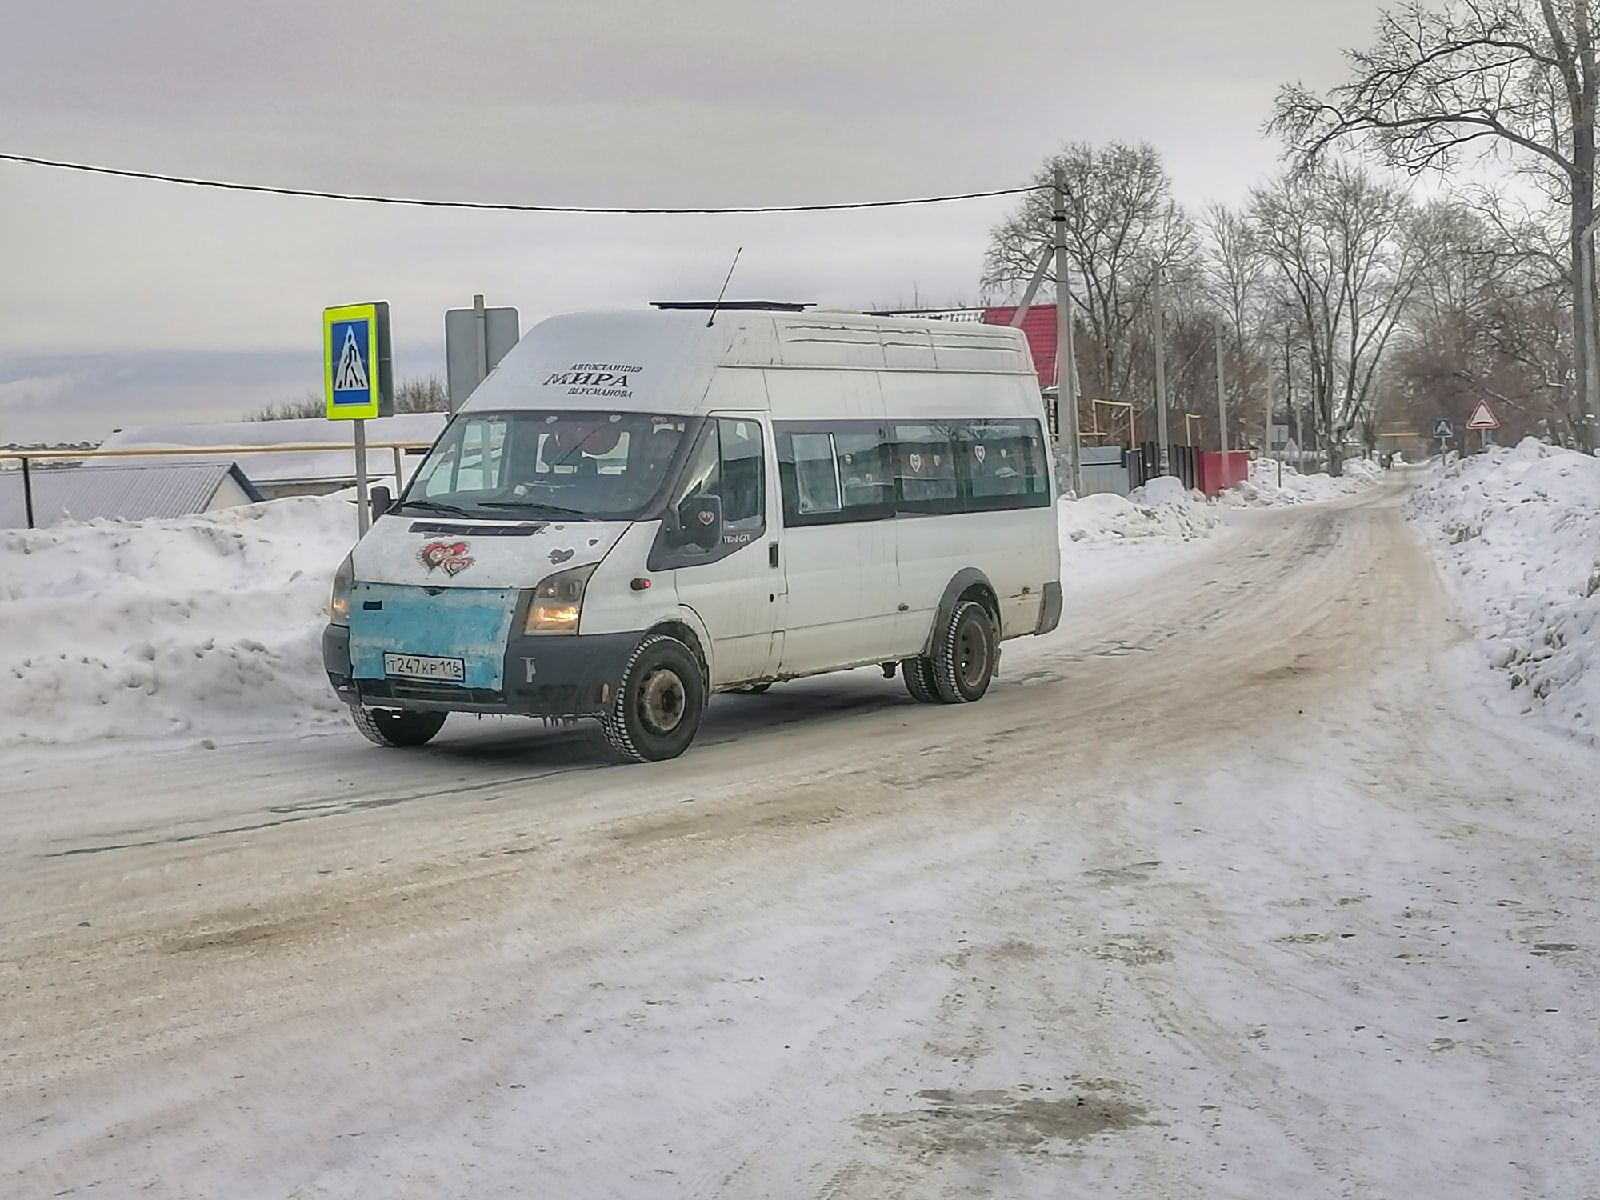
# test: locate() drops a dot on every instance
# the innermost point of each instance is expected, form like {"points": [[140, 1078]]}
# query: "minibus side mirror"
{"points": [[380, 500], [700, 521]]}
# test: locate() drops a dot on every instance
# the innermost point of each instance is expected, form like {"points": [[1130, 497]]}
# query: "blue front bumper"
{"points": [[504, 672]]}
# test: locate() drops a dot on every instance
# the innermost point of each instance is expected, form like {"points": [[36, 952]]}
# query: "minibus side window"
{"points": [[702, 475], [866, 485], [743, 478], [810, 475], [727, 462], [1005, 465], [925, 467], [831, 475]]}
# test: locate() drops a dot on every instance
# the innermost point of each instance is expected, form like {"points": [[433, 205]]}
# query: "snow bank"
{"points": [[199, 625], [210, 625], [1160, 509], [1263, 488], [1519, 533]]}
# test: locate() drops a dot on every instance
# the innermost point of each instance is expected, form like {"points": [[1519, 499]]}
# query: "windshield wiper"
{"points": [[435, 506], [553, 510]]}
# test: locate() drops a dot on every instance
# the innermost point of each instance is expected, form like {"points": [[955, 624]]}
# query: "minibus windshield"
{"points": [[580, 465]]}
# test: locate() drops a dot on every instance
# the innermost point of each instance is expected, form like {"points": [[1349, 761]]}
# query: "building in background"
{"points": [[313, 472], [132, 491]]}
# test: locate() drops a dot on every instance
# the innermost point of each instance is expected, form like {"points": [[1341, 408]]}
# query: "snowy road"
{"points": [[1234, 886]]}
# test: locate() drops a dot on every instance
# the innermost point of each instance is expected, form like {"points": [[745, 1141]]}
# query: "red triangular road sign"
{"points": [[1483, 418]]}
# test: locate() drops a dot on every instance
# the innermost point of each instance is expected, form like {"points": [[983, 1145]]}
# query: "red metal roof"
{"points": [[1039, 327]]}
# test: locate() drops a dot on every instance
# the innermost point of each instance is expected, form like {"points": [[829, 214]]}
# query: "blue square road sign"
{"points": [[355, 362]]}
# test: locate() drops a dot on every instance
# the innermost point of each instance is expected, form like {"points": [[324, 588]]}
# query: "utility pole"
{"points": [[1066, 364], [1591, 398], [1291, 411], [1222, 396], [1267, 441], [1163, 459]]}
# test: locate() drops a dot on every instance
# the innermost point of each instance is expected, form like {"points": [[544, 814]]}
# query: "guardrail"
{"points": [[28, 456]]}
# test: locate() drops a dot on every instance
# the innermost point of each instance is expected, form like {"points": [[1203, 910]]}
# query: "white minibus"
{"points": [[636, 510]]}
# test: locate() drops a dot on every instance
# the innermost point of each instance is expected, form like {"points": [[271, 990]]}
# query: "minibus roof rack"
{"points": [[733, 305]]}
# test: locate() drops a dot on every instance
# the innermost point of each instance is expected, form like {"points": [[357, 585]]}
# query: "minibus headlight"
{"points": [[339, 599], [558, 602]]}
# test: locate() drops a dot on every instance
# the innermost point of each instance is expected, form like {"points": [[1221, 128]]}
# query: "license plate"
{"points": [[425, 666]]}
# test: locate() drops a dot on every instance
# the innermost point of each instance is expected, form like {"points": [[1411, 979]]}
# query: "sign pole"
{"points": [[481, 343], [363, 504], [358, 380]]}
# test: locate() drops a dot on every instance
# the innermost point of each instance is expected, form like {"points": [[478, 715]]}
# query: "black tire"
{"points": [[918, 674], [396, 728], [658, 707], [964, 654]]}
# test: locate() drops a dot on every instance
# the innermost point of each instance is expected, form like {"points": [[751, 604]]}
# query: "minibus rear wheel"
{"points": [[396, 728], [964, 654], [918, 674], [657, 709]]}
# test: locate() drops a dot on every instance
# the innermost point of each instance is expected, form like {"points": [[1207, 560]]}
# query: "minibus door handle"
{"points": [[772, 555]]}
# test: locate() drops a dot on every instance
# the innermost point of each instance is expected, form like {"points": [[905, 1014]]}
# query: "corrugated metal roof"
{"points": [[1039, 326], [126, 492]]}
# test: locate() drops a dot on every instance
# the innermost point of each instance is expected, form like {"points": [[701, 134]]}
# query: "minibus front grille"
{"points": [[439, 693]]}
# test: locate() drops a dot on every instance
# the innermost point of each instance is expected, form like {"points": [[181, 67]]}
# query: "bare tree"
{"points": [[410, 396], [1235, 270], [1346, 252], [1468, 77], [309, 405], [1487, 322], [1123, 227], [421, 396], [1236, 283]]}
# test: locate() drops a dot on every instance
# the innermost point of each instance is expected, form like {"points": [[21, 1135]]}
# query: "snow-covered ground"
{"points": [[202, 626], [1229, 887], [1272, 483], [1165, 513], [1518, 530], [208, 627]]}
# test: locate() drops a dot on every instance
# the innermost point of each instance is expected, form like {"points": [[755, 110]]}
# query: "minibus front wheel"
{"points": [[658, 706], [396, 728]]}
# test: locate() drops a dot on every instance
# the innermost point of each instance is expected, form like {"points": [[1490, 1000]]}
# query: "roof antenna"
{"points": [[724, 291]]}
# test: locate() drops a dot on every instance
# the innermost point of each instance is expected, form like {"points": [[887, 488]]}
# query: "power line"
{"points": [[312, 193]]}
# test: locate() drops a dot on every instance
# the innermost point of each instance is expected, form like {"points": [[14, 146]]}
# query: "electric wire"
{"points": [[499, 206]]}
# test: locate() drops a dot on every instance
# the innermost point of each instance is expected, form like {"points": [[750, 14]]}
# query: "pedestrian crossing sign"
{"points": [[355, 361]]}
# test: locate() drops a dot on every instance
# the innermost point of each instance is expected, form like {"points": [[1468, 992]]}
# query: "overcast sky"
{"points": [[124, 302]]}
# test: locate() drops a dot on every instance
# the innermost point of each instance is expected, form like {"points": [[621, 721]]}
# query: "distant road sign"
{"points": [[1483, 417], [355, 362], [1444, 429]]}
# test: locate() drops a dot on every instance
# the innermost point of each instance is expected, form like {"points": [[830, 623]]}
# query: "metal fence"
{"points": [[1183, 462], [1104, 470], [28, 457]]}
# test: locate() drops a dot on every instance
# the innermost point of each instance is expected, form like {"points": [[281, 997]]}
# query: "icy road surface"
{"points": [[1235, 886]]}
